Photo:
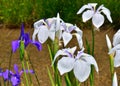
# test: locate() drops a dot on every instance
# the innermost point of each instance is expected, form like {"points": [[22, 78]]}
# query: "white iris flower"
{"points": [[80, 63], [67, 34], [46, 28], [116, 49], [91, 12], [55, 27]]}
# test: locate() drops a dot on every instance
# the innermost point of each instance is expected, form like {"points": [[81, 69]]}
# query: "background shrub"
{"points": [[29, 11]]}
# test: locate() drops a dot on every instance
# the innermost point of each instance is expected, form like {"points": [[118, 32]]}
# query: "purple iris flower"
{"points": [[14, 78], [26, 39]]}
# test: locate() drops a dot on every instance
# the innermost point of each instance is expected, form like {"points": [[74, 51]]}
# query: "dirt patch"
{"points": [[41, 59]]}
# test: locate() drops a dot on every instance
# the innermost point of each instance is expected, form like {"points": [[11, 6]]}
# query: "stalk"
{"points": [[92, 67], [25, 75]]}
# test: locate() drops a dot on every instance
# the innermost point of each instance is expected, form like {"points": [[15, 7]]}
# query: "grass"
{"points": [[15, 11]]}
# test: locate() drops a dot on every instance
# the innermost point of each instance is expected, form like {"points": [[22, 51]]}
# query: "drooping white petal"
{"points": [[38, 24], [115, 81], [65, 64], [79, 39], [80, 32], [117, 59], [66, 37], [90, 60], [34, 34], [116, 38], [107, 13], [87, 15], [81, 70], [63, 52], [97, 20], [52, 32], [82, 9], [59, 52], [117, 47], [43, 34], [109, 45]]}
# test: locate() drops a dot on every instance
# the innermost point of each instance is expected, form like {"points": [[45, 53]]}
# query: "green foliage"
{"points": [[17, 11]]}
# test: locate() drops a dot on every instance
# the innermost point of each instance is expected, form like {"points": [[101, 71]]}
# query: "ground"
{"points": [[41, 60]]}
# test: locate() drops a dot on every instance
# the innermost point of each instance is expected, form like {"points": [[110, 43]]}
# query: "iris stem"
{"points": [[29, 72], [92, 67], [25, 75], [111, 67]]}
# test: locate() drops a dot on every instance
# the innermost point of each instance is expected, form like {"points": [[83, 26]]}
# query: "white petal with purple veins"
{"points": [[116, 38], [97, 20], [87, 15], [117, 59], [107, 13], [43, 34], [89, 59], [65, 64], [81, 70], [82, 9], [66, 38]]}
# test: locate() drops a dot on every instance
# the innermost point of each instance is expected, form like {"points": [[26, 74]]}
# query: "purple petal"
{"points": [[16, 69], [15, 81], [22, 31], [37, 44], [26, 39], [15, 45], [5, 75], [71, 28], [29, 71]]}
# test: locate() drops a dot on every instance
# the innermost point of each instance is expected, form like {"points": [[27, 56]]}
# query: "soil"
{"points": [[41, 59]]}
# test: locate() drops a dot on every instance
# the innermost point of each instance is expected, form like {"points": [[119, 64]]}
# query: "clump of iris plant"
{"points": [[14, 77]]}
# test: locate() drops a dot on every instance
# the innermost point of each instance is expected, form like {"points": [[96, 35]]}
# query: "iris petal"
{"points": [[16, 69], [37, 44], [15, 45], [65, 64], [81, 70]]}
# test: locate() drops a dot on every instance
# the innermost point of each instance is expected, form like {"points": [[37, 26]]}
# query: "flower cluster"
{"points": [[56, 28], [14, 78]]}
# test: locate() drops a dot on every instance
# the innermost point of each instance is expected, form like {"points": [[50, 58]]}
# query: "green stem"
{"points": [[29, 72], [92, 67], [111, 67], [25, 73]]}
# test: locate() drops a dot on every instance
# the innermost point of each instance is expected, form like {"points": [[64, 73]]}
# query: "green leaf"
{"points": [[21, 50], [50, 76]]}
